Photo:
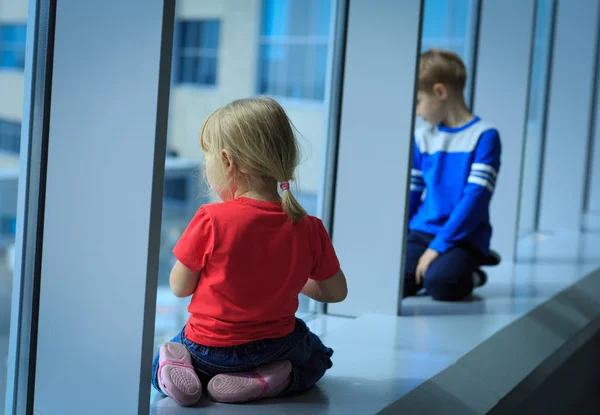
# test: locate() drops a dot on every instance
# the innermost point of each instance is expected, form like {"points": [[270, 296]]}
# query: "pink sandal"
{"points": [[266, 381], [176, 376]]}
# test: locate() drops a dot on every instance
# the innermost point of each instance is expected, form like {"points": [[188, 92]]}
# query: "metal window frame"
{"points": [[30, 209], [544, 102]]}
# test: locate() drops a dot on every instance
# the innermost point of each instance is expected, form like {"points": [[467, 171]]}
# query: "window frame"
{"points": [[21, 364], [201, 53]]}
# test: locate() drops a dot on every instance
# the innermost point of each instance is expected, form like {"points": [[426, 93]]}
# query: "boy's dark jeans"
{"points": [[449, 277], [309, 357]]}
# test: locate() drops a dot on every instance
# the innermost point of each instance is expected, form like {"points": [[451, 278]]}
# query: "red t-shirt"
{"points": [[254, 262]]}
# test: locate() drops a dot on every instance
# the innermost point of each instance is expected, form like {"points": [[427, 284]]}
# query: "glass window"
{"points": [[13, 20], [12, 45], [534, 138], [293, 48], [451, 25], [446, 25], [197, 51], [10, 136], [301, 29]]}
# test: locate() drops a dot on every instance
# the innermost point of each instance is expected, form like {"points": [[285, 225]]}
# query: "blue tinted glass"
{"points": [[321, 72], [12, 46], [435, 18], [10, 136], [191, 34], [182, 34], [209, 34], [459, 18], [294, 69], [197, 52], [298, 73], [322, 16], [534, 137], [207, 70], [275, 17], [541, 49]]}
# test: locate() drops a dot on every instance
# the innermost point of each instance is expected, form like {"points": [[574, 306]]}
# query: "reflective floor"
{"points": [[378, 359]]}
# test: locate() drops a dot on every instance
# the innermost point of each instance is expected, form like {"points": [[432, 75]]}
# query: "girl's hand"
{"points": [[424, 262]]}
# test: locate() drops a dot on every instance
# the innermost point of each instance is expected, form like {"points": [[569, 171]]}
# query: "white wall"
{"points": [[374, 152], [593, 202], [104, 141], [13, 11], [501, 92], [569, 114], [11, 95]]}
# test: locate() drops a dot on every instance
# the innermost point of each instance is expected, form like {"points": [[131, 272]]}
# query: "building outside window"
{"points": [[10, 136], [197, 50], [294, 44], [12, 46]]}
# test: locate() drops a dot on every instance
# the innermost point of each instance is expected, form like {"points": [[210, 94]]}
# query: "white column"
{"points": [[501, 93], [569, 115], [108, 125], [374, 151]]}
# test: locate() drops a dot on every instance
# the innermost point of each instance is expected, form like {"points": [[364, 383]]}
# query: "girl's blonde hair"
{"points": [[260, 138]]}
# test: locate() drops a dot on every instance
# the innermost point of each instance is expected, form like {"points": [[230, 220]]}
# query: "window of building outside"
{"points": [[197, 51], [12, 45], [10, 136], [534, 135], [13, 21], [283, 42], [294, 40]]}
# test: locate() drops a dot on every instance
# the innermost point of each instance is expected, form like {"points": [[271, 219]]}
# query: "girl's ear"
{"points": [[230, 166]]}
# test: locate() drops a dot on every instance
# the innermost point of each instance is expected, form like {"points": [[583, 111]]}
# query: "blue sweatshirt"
{"points": [[453, 176]]}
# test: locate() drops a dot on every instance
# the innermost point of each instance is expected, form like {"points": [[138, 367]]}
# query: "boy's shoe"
{"points": [[490, 260], [479, 278], [266, 381], [176, 376], [411, 288]]}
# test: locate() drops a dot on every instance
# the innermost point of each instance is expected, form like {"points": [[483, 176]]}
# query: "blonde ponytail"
{"points": [[290, 205]]}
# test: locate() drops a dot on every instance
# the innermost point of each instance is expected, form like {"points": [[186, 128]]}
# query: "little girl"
{"points": [[245, 261]]}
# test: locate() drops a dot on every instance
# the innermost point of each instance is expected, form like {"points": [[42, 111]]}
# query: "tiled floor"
{"points": [[378, 359]]}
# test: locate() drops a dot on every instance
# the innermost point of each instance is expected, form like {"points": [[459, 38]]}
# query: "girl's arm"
{"points": [[183, 281], [332, 290]]}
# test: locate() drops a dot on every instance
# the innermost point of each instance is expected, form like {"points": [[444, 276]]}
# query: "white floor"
{"points": [[378, 359]]}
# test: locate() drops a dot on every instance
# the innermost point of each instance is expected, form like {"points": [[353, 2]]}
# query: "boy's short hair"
{"points": [[441, 66]]}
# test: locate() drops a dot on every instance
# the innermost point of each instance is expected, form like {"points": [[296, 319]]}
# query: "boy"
{"points": [[455, 164]]}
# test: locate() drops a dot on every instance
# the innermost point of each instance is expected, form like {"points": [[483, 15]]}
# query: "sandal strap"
{"points": [[174, 363], [264, 385]]}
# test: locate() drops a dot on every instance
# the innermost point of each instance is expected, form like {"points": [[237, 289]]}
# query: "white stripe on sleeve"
{"points": [[484, 167], [416, 188], [481, 182]]}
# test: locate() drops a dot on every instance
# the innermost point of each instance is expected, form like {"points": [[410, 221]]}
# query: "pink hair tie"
{"points": [[285, 185]]}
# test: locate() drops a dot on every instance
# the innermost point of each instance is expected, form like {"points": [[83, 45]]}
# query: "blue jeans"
{"points": [[449, 277], [309, 357]]}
